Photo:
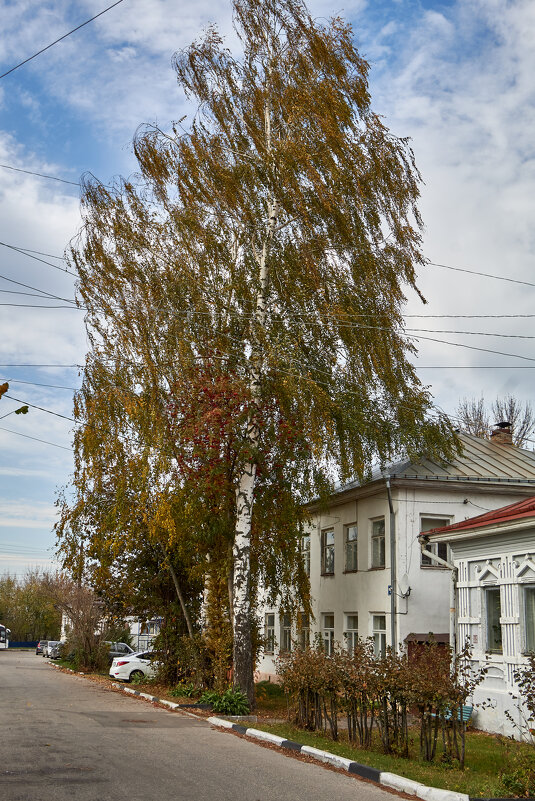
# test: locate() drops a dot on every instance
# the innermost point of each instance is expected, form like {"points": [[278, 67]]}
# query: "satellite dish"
{"points": [[404, 588]]}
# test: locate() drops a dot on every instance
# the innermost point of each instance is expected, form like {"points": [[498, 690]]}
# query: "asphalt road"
{"points": [[64, 737]]}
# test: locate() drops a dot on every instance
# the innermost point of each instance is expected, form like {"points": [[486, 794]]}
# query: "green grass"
{"points": [[486, 757]]}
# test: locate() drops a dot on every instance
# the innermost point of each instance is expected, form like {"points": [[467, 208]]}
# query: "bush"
{"points": [[184, 690], [231, 702], [379, 692]]}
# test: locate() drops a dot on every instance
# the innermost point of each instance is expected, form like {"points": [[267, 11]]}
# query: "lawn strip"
{"points": [[483, 782]]}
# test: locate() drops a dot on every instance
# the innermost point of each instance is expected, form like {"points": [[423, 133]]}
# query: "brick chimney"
{"points": [[502, 434]]}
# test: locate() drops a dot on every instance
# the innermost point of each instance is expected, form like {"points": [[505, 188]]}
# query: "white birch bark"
{"points": [[242, 652]]}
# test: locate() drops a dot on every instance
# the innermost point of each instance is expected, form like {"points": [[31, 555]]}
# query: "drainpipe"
{"points": [[393, 581], [453, 590]]}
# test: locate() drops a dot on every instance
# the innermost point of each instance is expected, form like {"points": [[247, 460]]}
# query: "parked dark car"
{"points": [[118, 649], [41, 645]]}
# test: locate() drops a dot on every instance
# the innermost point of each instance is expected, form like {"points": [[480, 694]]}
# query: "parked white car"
{"points": [[140, 664], [47, 649]]}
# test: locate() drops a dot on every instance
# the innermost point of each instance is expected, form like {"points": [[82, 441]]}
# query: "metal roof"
{"points": [[481, 460]]}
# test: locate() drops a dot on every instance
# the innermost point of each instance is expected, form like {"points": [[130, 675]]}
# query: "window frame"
{"points": [[435, 547], [285, 626], [351, 633], [305, 553], [379, 635], [269, 634], [377, 538], [493, 591], [303, 630], [529, 630], [354, 548], [327, 633], [327, 548]]}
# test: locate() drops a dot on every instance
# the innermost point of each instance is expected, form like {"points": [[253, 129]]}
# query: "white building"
{"points": [[143, 631], [360, 549], [494, 556]]}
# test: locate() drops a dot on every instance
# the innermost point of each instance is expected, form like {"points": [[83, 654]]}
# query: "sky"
{"points": [[454, 76]]}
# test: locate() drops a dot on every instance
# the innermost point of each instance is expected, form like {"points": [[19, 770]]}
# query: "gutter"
{"points": [[393, 568]]}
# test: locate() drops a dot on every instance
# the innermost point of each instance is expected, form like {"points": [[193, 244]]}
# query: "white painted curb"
{"points": [[421, 790], [223, 724], [265, 735], [325, 756]]}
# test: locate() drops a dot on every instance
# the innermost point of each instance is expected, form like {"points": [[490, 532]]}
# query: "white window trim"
{"points": [[346, 543], [268, 650], [350, 634], [327, 629], [372, 538], [441, 520]]}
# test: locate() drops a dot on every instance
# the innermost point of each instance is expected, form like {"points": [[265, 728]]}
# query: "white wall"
{"points": [[366, 592], [507, 562]]}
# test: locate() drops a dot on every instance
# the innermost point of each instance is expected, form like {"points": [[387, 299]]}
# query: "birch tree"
{"points": [[273, 236]]}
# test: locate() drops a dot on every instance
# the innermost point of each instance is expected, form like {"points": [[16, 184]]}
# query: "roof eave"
{"points": [[508, 526]]}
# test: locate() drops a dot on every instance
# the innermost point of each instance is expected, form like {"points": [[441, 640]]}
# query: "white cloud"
{"points": [[21, 513]]}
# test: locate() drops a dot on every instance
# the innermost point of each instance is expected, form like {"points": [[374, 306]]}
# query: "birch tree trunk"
{"points": [[243, 661]]}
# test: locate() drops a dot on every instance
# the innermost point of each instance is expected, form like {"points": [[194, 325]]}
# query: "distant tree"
{"points": [[26, 608], [477, 418]]}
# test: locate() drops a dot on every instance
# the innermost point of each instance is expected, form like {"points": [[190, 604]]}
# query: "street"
{"points": [[64, 737]]}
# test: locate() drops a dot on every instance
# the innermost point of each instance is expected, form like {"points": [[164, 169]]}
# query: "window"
{"points": [[529, 615], [438, 548], [303, 630], [351, 633], [379, 634], [286, 634], [269, 633], [351, 549], [305, 550], [378, 542], [328, 633], [327, 552], [494, 629]]}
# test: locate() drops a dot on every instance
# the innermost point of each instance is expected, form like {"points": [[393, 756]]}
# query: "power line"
{"points": [[485, 275], [43, 365], [471, 316], [40, 306], [39, 175], [474, 367], [27, 294], [43, 292], [59, 40], [27, 436], [470, 333], [35, 384], [39, 253], [41, 409], [36, 258]]}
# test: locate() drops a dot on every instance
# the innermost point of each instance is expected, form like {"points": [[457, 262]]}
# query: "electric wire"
{"points": [[39, 174], [43, 49], [36, 258], [38, 252], [27, 436], [36, 384], [43, 292], [485, 275], [40, 306], [41, 408]]}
